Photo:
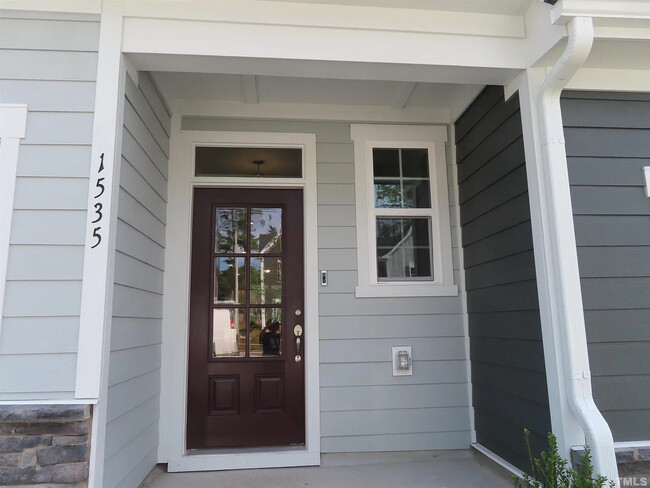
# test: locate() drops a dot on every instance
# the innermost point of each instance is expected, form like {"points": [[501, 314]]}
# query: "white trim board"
{"points": [[498, 460], [13, 123], [176, 300]]}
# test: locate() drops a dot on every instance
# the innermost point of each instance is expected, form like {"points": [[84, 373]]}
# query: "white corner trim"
{"points": [[433, 138], [453, 167], [646, 172], [13, 125], [174, 367]]}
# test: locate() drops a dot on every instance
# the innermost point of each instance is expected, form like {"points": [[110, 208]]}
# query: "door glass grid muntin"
{"points": [[247, 255]]}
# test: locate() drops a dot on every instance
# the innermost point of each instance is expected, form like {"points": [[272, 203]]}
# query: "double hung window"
{"points": [[403, 226]]}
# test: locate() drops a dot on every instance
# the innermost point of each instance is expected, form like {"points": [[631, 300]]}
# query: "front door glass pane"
{"points": [[247, 270], [229, 280], [266, 230], [231, 234], [266, 280], [265, 329], [228, 332]]}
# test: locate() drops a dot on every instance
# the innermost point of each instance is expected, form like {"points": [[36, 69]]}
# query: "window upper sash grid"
{"points": [[401, 177]]}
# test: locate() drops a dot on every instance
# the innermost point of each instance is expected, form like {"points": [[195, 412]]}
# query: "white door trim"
{"points": [[174, 368]]}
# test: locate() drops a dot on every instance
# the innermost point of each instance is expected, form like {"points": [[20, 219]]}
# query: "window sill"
{"points": [[405, 290]]}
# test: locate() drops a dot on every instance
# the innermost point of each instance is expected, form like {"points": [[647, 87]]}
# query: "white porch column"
{"points": [[565, 425], [99, 255], [574, 416]]}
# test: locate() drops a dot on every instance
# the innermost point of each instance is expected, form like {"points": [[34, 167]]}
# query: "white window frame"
{"points": [[432, 138]]}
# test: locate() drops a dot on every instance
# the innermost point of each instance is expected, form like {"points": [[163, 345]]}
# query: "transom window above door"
{"points": [[257, 162], [403, 223], [248, 289]]}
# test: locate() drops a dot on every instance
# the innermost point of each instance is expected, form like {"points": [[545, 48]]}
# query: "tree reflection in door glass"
{"points": [[266, 280], [228, 332], [266, 230], [229, 280], [231, 234]]}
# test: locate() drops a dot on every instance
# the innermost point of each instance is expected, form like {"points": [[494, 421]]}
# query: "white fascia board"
{"points": [[333, 16], [66, 6], [204, 38], [632, 33], [565, 10], [624, 80], [306, 111]]}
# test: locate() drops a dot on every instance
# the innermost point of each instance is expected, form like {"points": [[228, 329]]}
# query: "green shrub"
{"points": [[551, 470]]}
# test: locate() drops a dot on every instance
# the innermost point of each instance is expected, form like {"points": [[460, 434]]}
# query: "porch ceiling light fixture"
{"points": [[259, 163], [550, 2]]}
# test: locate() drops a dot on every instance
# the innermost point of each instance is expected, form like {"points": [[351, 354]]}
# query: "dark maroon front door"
{"points": [[246, 355]]}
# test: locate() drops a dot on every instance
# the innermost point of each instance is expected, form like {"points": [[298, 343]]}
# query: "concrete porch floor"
{"points": [[440, 469]]}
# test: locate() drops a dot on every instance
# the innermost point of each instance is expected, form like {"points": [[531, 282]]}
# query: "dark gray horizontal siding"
{"points": [[506, 351], [608, 144]]}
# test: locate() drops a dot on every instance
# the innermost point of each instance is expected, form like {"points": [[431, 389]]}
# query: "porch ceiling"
{"points": [[253, 89]]}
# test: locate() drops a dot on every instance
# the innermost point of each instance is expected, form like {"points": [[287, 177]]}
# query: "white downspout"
{"points": [[567, 276]]}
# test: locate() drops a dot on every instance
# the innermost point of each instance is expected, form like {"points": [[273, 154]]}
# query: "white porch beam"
{"points": [[322, 69], [333, 16], [245, 40], [402, 94], [311, 111], [249, 88]]}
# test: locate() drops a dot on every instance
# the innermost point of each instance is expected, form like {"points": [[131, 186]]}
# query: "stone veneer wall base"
{"points": [[44, 445], [633, 464]]}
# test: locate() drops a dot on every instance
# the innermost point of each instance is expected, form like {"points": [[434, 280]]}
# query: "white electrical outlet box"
{"points": [[402, 361]]}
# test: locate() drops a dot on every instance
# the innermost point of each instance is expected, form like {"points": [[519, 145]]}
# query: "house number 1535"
{"points": [[98, 205]]}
